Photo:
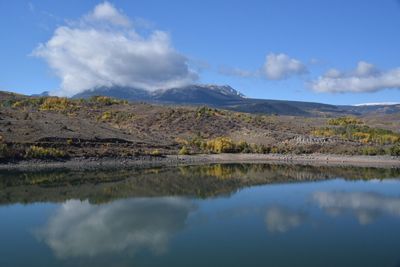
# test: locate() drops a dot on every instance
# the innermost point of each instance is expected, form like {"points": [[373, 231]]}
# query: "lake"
{"points": [[215, 215]]}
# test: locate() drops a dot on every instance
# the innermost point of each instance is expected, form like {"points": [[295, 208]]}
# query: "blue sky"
{"points": [[340, 52]]}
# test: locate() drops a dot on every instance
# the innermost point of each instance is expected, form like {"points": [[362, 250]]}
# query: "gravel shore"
{"points": [[172, 160]]}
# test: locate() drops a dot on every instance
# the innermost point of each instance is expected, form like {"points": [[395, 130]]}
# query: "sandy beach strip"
{"points": [[172, 160]]}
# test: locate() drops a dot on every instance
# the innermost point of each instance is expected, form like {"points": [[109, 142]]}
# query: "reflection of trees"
{"points": [[201, 181], [81, 229], [366, 206], [289, 172]]}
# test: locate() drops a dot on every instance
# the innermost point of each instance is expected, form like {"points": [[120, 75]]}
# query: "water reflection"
{"points": [[280, 219], [201, 181], [201, 216], [81, 229], [365, 206]]}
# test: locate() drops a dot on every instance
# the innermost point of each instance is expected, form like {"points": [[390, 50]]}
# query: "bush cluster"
{"points": [[58, 104], [4, 151], [206, 112], [373, 151], [220, 145], [29, 102], [37, 152], [395, 150], [352, 129], [376, 141], [116, 116], [156, 153], [343, 121], [184, 151], [106, 100]]}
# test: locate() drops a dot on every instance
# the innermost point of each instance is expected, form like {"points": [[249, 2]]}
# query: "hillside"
{"points": [[50, 127]]}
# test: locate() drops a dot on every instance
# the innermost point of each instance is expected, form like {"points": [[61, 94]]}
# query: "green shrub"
{"points": [[57, 104], [206, 112], [184, 151], [4, 151], [115, 116], [155, 152], [9, 151], [351, 129], [260, 149], [395, 150], [29, 102], [275, 150], [106, 116], [44, 153], [343, 121], [373, 151], [108, 101], [223, 145]]}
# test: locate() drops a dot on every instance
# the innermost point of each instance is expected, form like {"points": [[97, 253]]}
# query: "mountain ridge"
{"points": [[226, 97], [218, 96]]}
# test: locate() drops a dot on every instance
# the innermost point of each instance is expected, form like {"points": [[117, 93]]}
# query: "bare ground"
{"points": [[171, 160]]}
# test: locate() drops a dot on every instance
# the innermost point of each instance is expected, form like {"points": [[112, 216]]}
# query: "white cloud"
{"points": [[81, 229], [102, 49], [276, 67], [364, 78], [333, 73], [365, 69], [107, 12], [281, 66]]}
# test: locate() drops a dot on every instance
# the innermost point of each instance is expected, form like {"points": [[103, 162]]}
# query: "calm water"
{"points": [[220, 215]]}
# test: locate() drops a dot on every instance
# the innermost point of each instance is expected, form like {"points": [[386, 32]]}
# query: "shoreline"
{"points": [[175, 160]]}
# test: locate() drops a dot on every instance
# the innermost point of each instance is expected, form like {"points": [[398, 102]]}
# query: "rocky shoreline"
{"points": [[175, 160]]}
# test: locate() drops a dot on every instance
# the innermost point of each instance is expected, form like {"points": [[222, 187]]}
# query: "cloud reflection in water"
{"points": [[82, 229], [366, 206], [280, 219]]}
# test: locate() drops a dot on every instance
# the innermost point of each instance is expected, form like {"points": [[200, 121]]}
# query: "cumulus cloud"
{"points": [[281, 220], [108, 13], [103, 49], [364, 78], [81, 229], [366, 206], [281, 66], [276, 67]]}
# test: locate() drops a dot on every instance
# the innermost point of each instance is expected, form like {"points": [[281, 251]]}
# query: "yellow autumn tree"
{"points": [[221, 145]]}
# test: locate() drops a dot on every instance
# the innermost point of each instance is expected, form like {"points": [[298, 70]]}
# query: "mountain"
{"points": [[193, 94], [45, 93], [373, 109], [228, 98], [199, 94], [215, 96]]}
